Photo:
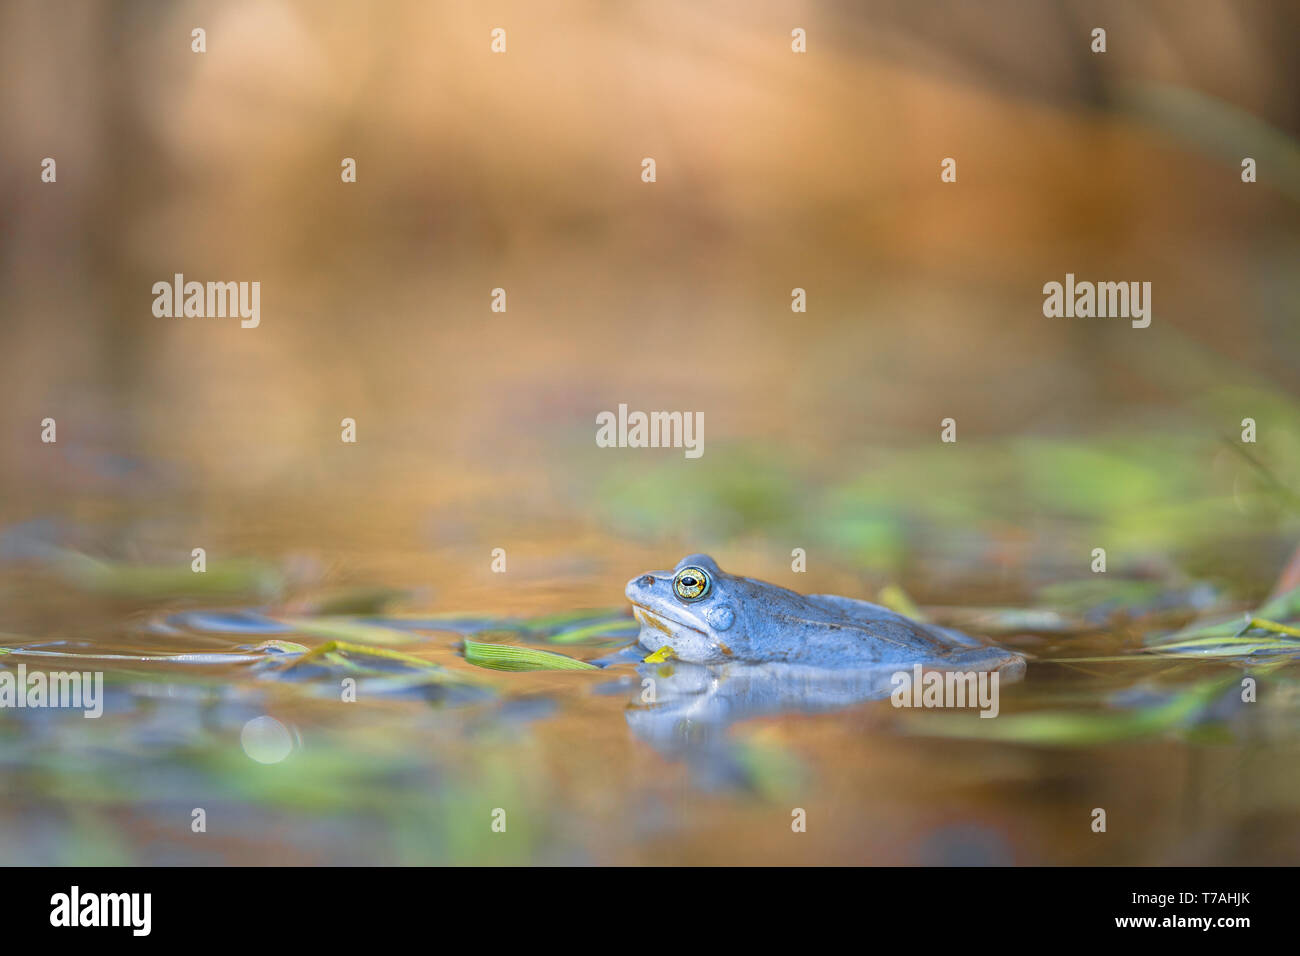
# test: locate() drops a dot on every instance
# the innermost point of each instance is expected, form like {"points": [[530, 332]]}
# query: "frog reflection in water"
{"points": [[744, 648]]}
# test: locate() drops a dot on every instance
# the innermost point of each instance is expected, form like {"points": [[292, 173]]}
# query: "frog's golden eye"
{"points": [[691, 584]]}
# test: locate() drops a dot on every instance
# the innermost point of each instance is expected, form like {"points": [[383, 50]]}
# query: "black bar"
{"points": [[923, 905]]}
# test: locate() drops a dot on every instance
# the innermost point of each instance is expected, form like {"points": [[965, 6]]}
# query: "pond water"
{"points": [[228, 693]]}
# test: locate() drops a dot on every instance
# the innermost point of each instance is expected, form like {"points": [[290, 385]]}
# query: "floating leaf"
{"points": [[214, 657], [510, 657], [1264, 625], [1243, 635], [360, 658], [1228, 647]]}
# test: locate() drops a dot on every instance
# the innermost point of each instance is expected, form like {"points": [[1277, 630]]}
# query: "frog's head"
{"points": [[691, 608]]}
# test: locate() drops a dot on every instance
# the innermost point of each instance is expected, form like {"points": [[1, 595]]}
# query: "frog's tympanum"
{"points": [[707, 616]]}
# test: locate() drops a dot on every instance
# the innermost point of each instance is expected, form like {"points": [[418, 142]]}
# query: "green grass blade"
{"points": [[509, 657]]}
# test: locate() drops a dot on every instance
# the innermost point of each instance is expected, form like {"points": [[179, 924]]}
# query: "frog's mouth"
{"points": [[688, 641], [660, 621]]}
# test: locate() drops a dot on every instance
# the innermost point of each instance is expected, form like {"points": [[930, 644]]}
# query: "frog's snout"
{"points": [[639, 587]]}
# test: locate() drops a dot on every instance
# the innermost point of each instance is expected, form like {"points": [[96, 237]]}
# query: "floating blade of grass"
{"points": [[214, 657], [1264, 625], [1233, 637], [362, 658], [509, 657], [1227, 647], [381, 671]]}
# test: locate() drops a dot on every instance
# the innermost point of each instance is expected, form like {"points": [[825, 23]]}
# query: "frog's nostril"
{"points": [[646, 580]]}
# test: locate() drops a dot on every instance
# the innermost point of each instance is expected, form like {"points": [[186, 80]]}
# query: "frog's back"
{"points": [[872, 614], [829, 630]]}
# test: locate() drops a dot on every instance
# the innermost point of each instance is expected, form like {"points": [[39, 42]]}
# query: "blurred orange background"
{"points": [[522, 171]]}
